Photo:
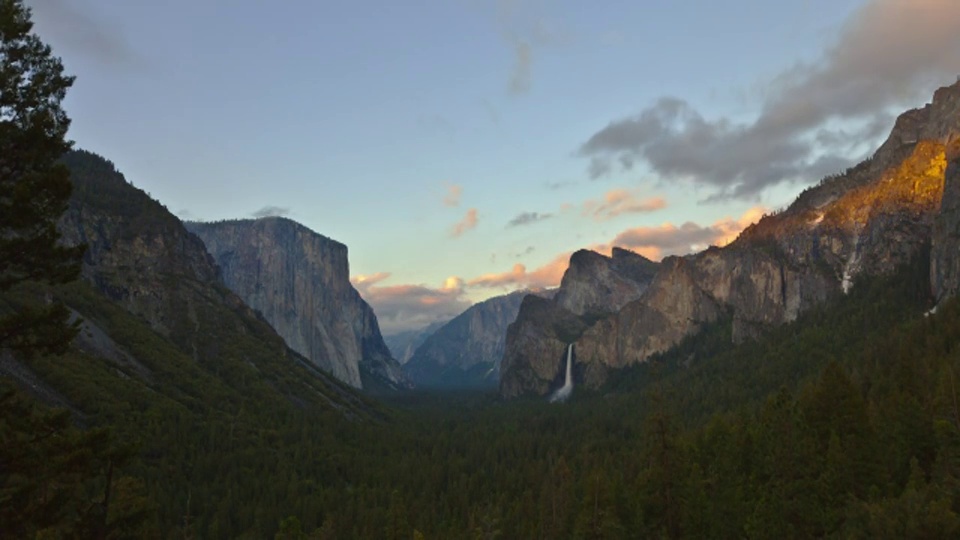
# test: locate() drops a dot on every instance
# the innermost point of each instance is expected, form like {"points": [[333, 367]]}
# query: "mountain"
{"points": [[593, 286], [869, 220], [466, 352], [300, 282], [402, 345], [146, 279]]}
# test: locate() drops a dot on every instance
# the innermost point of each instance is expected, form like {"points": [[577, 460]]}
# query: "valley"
{"points": [[183, 375]]}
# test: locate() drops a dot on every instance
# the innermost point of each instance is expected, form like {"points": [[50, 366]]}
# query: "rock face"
{"points": [[138, 254], [141, 259], [868, 220], [536, 345], [594, 286], [945, 249], [467, 351], [300, 282]]}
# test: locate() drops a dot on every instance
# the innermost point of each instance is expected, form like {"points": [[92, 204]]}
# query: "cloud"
{"points": [[452, 197], [651, 242], [525, 28], [468, 222], [408, 307], [522, 60], [669, 239], [548, 275], [270, 211], [875, 64], [523, 253], [560, 184], [617, 202], [491, 111], [437, 123], [527, 218], [78, 31]]}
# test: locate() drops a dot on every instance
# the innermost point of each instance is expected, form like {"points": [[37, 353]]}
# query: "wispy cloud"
{"points": [[875, 64], [651, 242], [617, 202], [80, 31], [560, 184], [409, 307], [527, 218], [453, 194], [270, 211], [520, 76], [468, 222], [525, 28]]}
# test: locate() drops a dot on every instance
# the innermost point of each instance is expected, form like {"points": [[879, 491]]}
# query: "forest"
{"points": [[843, 423]]}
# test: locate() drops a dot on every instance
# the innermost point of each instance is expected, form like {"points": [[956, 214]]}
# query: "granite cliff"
{"points": [[156, 312], [868, 220], [299, 281], [594, 286]]}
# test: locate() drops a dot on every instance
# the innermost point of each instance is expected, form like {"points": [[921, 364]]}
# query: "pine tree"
{"points": [[34, 188]]}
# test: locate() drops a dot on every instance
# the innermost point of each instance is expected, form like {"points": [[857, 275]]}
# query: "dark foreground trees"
{"points": [[34, 188]]}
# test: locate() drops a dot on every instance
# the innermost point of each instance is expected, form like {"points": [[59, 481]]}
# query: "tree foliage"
{"points": [[34, 188]]}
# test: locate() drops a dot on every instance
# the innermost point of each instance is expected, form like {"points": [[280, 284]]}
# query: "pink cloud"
{"points": [[408, 307], [468, 222], [669, 239], [617, 202], [548, 275], [652, 242], [452, 197]]}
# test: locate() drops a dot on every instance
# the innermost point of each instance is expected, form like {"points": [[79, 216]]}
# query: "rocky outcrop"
{"points": [[868, 220], [595, 285], [536, 344], [299, 281], [138, 254], [467, 351]]}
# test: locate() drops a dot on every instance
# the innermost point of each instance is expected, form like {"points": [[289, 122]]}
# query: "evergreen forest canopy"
{"points": [[844, 423]]}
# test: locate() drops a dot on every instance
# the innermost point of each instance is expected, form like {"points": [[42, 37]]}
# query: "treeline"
{"points": [[845, 423]]}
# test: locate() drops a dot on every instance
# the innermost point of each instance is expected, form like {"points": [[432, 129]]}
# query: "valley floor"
{"points": [[844, 423]]}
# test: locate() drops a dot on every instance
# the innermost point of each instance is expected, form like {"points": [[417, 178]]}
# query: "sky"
{"points": [[465, 148]]}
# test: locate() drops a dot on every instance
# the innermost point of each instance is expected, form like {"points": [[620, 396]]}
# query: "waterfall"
{"points": [[564, 391]]}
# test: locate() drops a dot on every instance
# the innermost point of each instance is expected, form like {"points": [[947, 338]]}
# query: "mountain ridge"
{"points": [[870, 219]]}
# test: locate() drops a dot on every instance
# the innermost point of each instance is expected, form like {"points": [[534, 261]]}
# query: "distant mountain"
{"points": [[402, 345], [870, 220], [466, 352], [300, 282]]}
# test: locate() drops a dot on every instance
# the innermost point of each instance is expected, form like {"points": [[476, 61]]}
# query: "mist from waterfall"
{"points": [[564, 391]]}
